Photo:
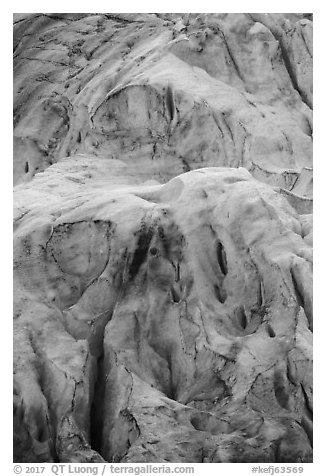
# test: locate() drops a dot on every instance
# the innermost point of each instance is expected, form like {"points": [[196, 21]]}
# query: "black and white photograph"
{"points": [[162, 240]]}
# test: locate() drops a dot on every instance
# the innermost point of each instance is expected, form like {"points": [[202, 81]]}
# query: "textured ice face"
{"points": [[163, 263], [191, 298], [231, 90]]}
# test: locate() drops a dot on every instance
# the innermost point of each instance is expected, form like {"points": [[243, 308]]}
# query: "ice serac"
{"points": [[163, 238]]}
